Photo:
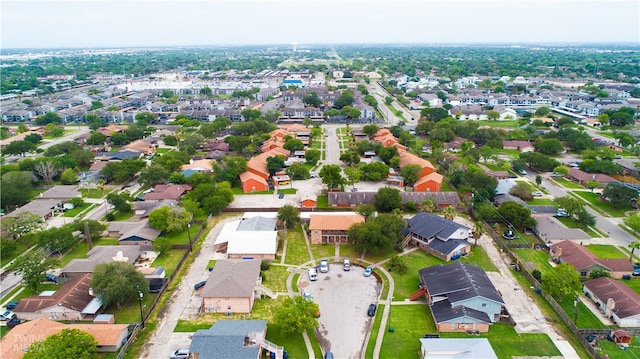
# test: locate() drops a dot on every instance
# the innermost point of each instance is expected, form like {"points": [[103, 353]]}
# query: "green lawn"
{"points": [[614, 352], [586, 318], [407, 283], [374, 332], [182, 237], [534, 259], [634, 284], [129, 312], [606, 251], [566, 183], [287, 190], [322, 202], [446, 187], [323, 250], [541, 202], [169, 260], [22, 244], [613, 211], [163, 149], [501, 124], [572, 223], [275, 278], [349, 251], [409, 322], [478, 257], [92, 193], [3, 330], [75, 211], [122, 216], [296, 248]]}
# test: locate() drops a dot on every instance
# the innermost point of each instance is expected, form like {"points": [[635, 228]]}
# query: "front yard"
{"points": [[602, 206]]}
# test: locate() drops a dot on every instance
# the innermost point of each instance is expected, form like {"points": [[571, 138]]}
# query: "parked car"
{"points": [[536, 194], [12, 305], [199, 285], [307, 296], [313, 274], [346, 265], [368, 271], [324, 266], [372, 310], [636, 272], [51, 278], [281, 195], [180, 354], [523, 172], [557, 174], [7, 316], [328, 355], [561, 212]]}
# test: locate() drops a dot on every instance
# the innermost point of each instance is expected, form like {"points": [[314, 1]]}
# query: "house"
{"points": [[550, 229], [143, 209], [45, 208], [522, 146], [233, 339], [104, 254], [327, 228], [141, 146], [202, 165], [252, 182], [16, 342], [439, 237], [461, 297], [456, 348], [167, 192], [249, 238], [72, 301], [429, 183], [61, 192], [133, 232], [583, 177], [615, 299], [231, 287], [585, 262]]}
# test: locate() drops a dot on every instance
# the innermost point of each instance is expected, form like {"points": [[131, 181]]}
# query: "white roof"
{"points": [[457, 348], [247, 242]]}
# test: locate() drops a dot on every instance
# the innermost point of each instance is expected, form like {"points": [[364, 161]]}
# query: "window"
{"points": [[484, 305]]}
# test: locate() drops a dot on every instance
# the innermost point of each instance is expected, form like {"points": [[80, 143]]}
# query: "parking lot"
{"points": [[343, 298]]}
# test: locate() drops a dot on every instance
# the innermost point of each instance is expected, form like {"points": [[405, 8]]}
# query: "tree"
{"points": [[633, 222], [370, 130], [410, 173], [428, 205], [46, 170], [375, 171], [19, 148], [592, 184], [95, 228], [119, 139], [169, 219], [119, 202], [117, 282], [619, 195], [353, 175], [275, 163], [289, 215], [312, 99], [33, 138], [96, 138], [69, 343], [143, 119], [297, 171], [161, 245], [33, 267], [331, 176], [633, 246], [47, 118], [522, 191], [153, 175], [387, 199], [378, 234], [56, 239], [69, 176], [478, 230], [549, 146], [366, 210], [297, 315], [493, 115], [170, 140], [584, 218], [516, 214], [561, 281], [345, 99], [23, 223], [293, 144], [312, 156], [449, 213]]}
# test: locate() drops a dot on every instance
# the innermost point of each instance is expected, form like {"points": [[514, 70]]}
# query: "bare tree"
{"points": [[46, 170]]}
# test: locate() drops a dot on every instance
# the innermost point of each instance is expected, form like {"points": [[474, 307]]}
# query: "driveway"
{"points": [[343, 298]]}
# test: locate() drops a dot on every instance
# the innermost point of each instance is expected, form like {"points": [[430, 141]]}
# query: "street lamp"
{"points": [[140, 297], [189, 233]]}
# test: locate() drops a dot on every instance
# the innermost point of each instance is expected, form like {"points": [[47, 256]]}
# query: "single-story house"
{"points": [[16, 342], [233, 339], [522, 146], [143, 209], [249, 238], [231, 287], [133, 232], [584, 261], [583, 177], [202, 165], [61, 192], [72, 301], [167, 191], [615, 299], [142, 146], [326, 228], [461, 297], [45, 208], [450, 348], [438, 236], [105, 254], [429, 183], [354, 199], [309, 202], [550, 229]]}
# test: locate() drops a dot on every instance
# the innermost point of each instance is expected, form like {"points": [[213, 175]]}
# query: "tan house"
{"points": [[231, 287], [522, 146], [331, 228], [18, 340]]}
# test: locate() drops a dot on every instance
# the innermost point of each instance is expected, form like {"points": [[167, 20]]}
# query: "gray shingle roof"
{"points": [[257, 223], [234, 279], [429, 225], [458, 281], [226, 339], [444, 312], [448, 246]]}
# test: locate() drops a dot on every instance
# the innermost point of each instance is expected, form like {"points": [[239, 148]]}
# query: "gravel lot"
{"points": [[343, 298]]}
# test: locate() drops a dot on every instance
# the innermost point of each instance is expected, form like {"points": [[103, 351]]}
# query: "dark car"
{"points": [[12, 305], [636, 272], [372, 310], [199, 285], [281, 195], [52, 278]]}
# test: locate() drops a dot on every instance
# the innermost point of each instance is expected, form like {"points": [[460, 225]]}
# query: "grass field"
{"points": [[409, 322], [374, 332], [92, 193], [296, 248], [566, 183], [586, 318], [612, 210], [534, 259], [169, 260], [614, 352], [606, 251], [275, 278]]}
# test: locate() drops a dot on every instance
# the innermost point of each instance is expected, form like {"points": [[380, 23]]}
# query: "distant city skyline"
{"points": [[158, 23]]}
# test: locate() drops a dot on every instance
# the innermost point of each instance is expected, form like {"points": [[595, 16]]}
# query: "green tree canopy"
{"points": [[516, 214], [297, 315], [33, 268], [387, 199], [117, 282], [69, 343], [562, 281], [289, 215]]}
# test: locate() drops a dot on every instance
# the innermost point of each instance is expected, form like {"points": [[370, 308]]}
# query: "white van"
{"points": [[313, 274]]}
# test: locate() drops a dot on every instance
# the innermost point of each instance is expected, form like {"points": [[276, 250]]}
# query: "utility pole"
{"points": [[87, 235]]}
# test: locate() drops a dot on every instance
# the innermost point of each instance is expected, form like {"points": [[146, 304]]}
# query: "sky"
{"points": [[158, 23]]}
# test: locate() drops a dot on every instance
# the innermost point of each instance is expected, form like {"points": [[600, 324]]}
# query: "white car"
{"points": [[7, 316], [324, 266], [536, 194]]}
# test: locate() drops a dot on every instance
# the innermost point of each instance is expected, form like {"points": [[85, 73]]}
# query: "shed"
{"points": [[104, 319], [621, 336]]}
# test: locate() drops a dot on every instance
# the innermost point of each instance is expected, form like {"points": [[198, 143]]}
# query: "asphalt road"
{"points": [[77, 131]]}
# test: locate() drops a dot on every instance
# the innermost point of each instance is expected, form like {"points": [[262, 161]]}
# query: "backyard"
{"points": [[602, 206]]}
